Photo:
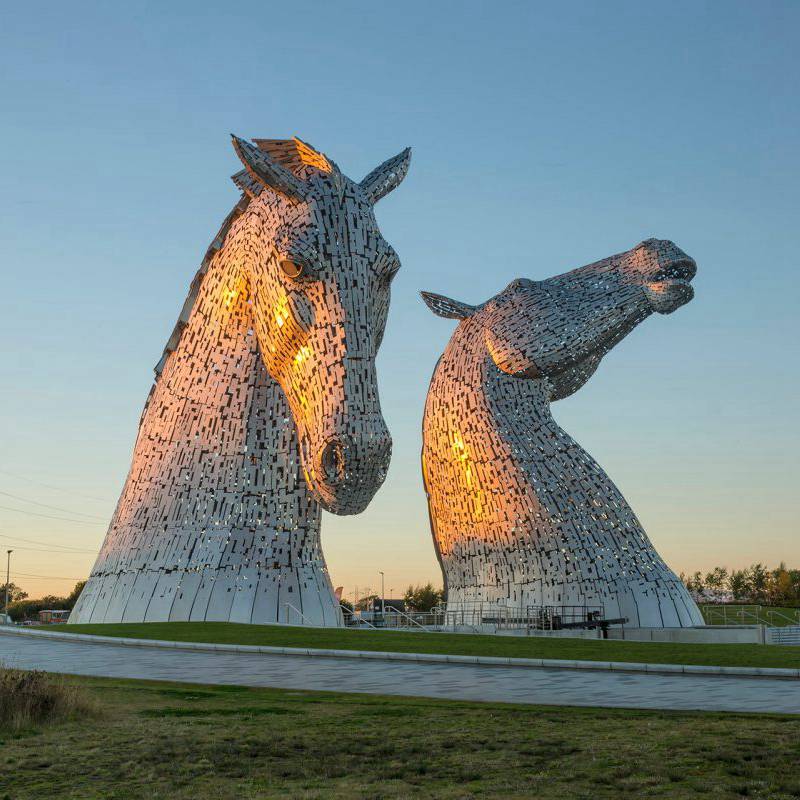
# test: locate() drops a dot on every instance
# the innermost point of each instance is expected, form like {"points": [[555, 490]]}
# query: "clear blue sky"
{"points": [[545, 136]]}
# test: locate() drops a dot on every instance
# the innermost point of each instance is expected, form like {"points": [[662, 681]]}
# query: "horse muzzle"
{"points": [[349, 470], [670, 287]]}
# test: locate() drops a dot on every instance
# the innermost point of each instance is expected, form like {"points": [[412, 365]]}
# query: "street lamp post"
{"points": [[8, 579], [383, 596]]}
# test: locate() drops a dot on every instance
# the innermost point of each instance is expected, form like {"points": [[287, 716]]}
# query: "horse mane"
{"points": [[294, 154]]}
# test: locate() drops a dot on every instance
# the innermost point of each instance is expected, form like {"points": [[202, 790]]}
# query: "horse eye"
{"points": [[292, 269]]}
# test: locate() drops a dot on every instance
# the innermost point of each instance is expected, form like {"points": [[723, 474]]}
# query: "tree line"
{"points": [[416, 598], [20, 607], [754, 584]]}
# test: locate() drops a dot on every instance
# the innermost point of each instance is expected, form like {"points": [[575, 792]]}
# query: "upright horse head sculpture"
{"points": [[265, 406], [319, 272], [521, 515]]}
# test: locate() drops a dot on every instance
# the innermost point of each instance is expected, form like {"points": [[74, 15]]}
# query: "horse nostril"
{"points": [[332, 460]]}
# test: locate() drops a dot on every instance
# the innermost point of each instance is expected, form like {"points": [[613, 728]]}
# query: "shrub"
{"points": [[31, 698]]}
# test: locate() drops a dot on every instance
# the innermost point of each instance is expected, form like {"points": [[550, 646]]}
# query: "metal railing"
{"points": [[391, 618], [749, 615], [353, 619], [481, 615], [788, 634], [405, 617], [297, 611]]}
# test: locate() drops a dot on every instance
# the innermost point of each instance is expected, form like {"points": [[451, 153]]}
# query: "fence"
{"points": [[788, 634], [394, 618], [750, 615], [481, 615]]}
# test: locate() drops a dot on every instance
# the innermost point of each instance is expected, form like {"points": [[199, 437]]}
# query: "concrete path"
{"points": [[450, 681]]}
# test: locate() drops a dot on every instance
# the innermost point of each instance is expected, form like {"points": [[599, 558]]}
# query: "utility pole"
{"points": [[8, 579], [383, 596]]}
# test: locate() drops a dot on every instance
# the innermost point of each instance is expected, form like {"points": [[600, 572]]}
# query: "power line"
{"points": [[49, 516], [65, 549], [48, 577], [56, 508], [59, 552], [50, 486], [39, 541], [46, 544]]}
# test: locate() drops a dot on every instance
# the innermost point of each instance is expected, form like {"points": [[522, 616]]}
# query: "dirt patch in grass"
{"points": [[181, 742]]}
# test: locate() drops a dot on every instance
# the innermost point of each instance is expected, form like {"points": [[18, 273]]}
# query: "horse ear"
{"points": [[387, 176], [446, 307], [268, 171]]}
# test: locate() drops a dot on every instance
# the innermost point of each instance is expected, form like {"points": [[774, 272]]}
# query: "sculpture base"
{"points": [[209, 596], [660, 604]]}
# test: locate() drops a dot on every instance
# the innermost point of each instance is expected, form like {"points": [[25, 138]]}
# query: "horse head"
{"points": [[559, 328], [318, 272]]}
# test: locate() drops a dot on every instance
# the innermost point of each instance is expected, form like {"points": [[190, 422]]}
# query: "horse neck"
{"points": [[477, 424], [468, 386], [218, 428]]}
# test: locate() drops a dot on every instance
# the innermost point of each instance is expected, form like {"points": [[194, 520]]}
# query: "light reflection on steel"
{"points": [[264, 409], [520, 514]]}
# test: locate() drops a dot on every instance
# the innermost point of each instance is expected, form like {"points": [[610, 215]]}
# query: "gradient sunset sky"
{"points": [[545, 136]]}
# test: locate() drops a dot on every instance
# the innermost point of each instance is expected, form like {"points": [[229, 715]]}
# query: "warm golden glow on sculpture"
{"points": [[520, 514], [259, 417]]}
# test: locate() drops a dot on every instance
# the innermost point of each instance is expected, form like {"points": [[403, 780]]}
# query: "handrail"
{"points": [[795, 621], [352, 613], [297, 611], [744, 614], [403, 614]]}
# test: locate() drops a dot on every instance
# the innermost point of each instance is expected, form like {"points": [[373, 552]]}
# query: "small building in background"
{"points": [[53, 616], [391, 605]]}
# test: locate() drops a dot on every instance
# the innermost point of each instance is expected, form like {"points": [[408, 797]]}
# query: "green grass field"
{"points": [[734, 614], [752, 655], [182, 742]]}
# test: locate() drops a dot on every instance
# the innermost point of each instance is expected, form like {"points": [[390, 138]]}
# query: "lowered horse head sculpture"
{"points": [[265, 406], [521, 515]]}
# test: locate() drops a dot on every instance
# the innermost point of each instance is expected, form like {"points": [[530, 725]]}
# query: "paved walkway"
{"points": [[450, 681]]}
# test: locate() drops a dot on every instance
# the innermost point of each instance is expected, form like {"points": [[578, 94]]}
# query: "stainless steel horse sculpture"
{"points": [[264, 409], [521, 515]]}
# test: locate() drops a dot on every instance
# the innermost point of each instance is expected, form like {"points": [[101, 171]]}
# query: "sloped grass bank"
{"points": [[185, 742], [737, 655]]}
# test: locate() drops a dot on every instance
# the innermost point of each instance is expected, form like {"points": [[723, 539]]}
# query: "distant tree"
{"points": [[29, 609], [25, 608], [794, 595], [739, 584], [717, 578], [365, 603], [423, 598], [779, 586], [72, 597], [14, 593], [694, 583], [754, 584], [347, 608], [758, 579]]}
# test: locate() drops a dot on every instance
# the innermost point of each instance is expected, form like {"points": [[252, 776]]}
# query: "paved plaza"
{"points": [[438, 680]]}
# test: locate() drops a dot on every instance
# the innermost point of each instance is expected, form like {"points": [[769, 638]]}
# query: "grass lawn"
{"points": [[733, 614], [752, 655], [176, 741]]}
